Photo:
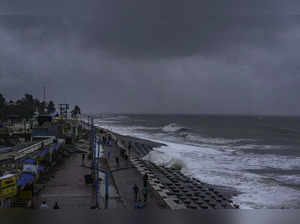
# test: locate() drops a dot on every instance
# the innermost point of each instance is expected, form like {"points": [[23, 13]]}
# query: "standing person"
{"points": [[122, 153], [136, 192], [82, 159], [129, 149], [56, 206], [44, 205], [117, 161], [145, 194], [145, 180]]}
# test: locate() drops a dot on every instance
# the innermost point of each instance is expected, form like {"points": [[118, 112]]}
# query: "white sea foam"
{"points": [[164, 159], [227, 167]]}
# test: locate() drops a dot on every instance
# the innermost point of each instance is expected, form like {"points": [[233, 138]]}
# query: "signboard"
{"points": [[8, 186]]}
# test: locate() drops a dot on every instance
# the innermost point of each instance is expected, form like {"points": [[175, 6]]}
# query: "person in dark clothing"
{"points": [[136, 192], [56, 206], [117, 161], [145, 180], [145, 194], [82, 158], [122, 153]]}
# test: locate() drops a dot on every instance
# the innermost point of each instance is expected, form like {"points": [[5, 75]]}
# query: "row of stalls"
{"points": [[16, 190]]}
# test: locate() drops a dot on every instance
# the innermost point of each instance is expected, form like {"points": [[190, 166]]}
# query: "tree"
{"points": [[2, 107], [2, 100], [42, 107], [76, 111], [24, 107], [51, 107]]}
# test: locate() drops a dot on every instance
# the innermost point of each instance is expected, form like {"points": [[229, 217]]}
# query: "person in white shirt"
{"points": [[44, 205]]}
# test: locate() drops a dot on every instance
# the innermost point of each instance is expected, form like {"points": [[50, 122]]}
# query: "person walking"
{"points": [[136, 192]]}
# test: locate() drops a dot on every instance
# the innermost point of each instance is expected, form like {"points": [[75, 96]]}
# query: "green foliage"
{"points": [[76, 111], [51, 107], [2, 100], [23, 108]]}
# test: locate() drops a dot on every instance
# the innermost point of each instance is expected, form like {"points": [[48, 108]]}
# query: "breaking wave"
{"points": [[173, 127]]}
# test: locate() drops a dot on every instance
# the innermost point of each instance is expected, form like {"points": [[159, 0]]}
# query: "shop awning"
{"points": [[5, 149], [29, 161]]}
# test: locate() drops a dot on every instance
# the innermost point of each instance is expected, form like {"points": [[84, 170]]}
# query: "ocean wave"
{"points": [[213, 141], [226, 169], [173, 127], [116, 118], [229, 168], [165, 160]]}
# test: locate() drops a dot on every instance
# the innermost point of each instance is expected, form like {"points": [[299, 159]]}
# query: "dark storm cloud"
{"points": [[160, 28], [154, 56]]}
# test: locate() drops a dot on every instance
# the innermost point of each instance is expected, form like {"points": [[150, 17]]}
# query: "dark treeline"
{"points": [[24, 107]]}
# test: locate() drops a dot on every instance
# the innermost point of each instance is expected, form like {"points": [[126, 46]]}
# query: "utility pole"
{"points": [[44, 94], [97, 171]]}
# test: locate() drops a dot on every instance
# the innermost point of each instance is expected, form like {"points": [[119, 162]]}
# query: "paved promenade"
{"points": [[125, 176], [67, 186]]}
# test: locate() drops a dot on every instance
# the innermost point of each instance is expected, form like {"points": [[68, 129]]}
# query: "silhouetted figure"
{"points": [[145, 194], [82, 158], [136, 192], [121, 153], [129, 149], [117, 161], [56, 206]]}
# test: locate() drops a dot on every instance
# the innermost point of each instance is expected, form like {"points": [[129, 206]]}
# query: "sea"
{"points": [[258, 156]]}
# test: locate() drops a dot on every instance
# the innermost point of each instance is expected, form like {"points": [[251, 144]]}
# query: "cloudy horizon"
{"points": [[154, 56]]}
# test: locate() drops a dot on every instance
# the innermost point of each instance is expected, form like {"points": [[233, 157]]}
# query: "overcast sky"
{"points": [[158, 56]]}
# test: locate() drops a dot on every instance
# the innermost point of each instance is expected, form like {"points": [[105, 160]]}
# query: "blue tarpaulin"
{"points": [[44, 153], [5, 149], [29, 161], [25, 179]]}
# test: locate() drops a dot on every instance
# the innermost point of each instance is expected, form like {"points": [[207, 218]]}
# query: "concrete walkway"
{"points": [[125, 176], [68, 186]]}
